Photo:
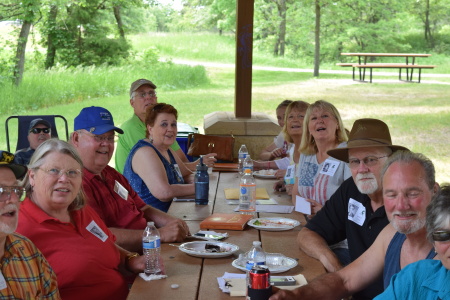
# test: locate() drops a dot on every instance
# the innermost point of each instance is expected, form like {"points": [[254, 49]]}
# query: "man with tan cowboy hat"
{"points": [[355, 211]]}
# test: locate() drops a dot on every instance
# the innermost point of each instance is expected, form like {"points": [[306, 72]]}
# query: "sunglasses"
{"points": [[39, 130], [441, 236]]}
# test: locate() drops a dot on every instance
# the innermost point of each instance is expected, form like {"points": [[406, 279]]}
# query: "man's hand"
{"points": [[279, 294], [174, 231], [315, 207]]}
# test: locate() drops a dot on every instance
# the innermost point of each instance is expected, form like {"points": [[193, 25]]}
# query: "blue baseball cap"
{"points": [[96, 120]]}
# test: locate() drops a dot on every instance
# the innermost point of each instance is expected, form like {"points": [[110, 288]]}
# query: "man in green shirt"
{"points": [[143, 94]]}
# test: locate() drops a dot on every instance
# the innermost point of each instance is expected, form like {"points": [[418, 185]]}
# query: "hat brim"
{"points": [[101, 129], [18, 170], [342, 153]]}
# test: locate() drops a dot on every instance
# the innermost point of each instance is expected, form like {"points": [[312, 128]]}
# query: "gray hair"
{"points": [[38, 159], [438, 211], [403, 156]]}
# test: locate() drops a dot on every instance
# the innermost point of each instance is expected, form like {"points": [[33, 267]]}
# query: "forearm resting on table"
{"points": [[326, 287], [315, 246], [129, 239]]}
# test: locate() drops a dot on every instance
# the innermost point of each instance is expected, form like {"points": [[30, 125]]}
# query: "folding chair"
{"points": [[24, 123]]}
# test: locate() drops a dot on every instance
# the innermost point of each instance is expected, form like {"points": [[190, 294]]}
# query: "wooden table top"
{"points": [[388, 54], [197, 277]]}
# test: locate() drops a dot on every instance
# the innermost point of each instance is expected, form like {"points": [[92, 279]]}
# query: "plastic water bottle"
{"points": [[248, 163], [256, 256], [201, 183], [247, 194], [151, 244], [243, 152]]}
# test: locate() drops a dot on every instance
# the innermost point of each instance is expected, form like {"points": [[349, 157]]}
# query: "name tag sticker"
{"points": [[356, 212], [290, 172], [121, 191], [329, 167], [302, 205], [97, 231], [2, 282], [177, 168]]}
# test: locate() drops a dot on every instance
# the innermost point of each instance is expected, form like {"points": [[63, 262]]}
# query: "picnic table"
{"points": [[197, 277], [409, 65]]}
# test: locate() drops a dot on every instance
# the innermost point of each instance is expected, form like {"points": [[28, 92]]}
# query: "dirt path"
{"points": [[297, 70]]}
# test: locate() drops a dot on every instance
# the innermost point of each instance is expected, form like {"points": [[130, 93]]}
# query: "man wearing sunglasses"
{"points": [[408, 181], [24, 272], [38, 132]]}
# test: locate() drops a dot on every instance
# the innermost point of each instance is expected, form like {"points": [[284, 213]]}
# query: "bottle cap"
{"points": [[201, 166], [256, 243]]}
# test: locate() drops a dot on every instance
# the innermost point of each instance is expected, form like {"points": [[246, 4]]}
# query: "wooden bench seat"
{"points": [[345, 64], [392, 66], [408, 67]]}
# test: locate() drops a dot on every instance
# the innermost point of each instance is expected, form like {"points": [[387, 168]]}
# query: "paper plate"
{"points": [[197, 249], [276, 262], [265, 174], [273, 224]]}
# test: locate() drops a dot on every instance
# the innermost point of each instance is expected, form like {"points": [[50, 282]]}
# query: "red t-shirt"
{"points": [[86, 267], [108, 202]]}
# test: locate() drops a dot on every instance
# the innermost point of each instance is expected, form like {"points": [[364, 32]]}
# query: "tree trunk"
{"points": [[119, 21], [51, 49], [20, 53], [317, 40], [282, 28], [428, 36]]}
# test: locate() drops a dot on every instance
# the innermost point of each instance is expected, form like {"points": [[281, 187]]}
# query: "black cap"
{"points": [[7, 160]]}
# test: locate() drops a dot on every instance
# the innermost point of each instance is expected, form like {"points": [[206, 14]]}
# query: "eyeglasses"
{"points": [[150, 94], [99, 139], [73, 173], [441, 236], [39, 130], [5, 193], [369, 161]]}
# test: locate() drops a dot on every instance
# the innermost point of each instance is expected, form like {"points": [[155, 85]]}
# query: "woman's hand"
{"points": [[209, 159], [289, 189], [279, 186], [280, 174], [315, 207], [277, 152]]}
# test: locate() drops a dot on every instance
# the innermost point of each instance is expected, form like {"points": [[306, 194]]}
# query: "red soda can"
{"points": [[259, 287]]}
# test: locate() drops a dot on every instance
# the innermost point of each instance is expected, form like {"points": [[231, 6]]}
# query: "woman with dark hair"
{"points": [[153, 169], [428, 278]]}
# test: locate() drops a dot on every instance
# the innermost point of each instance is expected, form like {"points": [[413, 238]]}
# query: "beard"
{"points": [[9, 227], [407, 226], [366, 186]]}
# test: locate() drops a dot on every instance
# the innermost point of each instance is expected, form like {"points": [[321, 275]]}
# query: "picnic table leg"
{"points": [[370, 75], [420, 72], [400, 74]]}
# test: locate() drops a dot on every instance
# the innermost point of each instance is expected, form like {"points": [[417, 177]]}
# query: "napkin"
{"points": [[231, 194], [235, 283], [151, 277]]}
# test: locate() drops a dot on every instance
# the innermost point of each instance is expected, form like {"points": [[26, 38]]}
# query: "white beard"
{"points": [[366, 187]]}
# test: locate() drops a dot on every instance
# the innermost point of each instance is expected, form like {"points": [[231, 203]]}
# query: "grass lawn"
{"points": [[417, 114]]}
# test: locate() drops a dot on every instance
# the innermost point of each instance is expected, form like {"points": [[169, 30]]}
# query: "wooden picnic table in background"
{"points": [[197, 277], [409, 64]]}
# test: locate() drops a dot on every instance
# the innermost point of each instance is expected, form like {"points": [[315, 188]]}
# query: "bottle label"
{"points": [[152, 245], [242, 155]]}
